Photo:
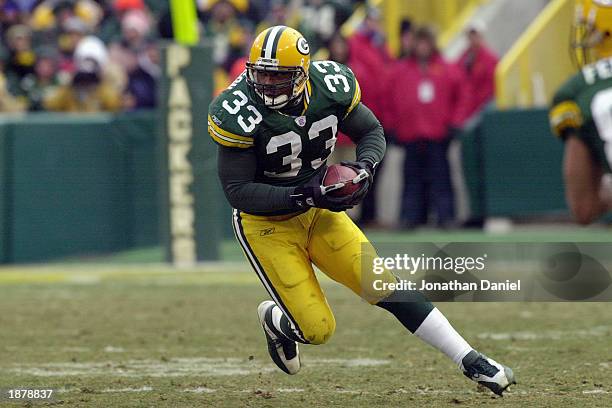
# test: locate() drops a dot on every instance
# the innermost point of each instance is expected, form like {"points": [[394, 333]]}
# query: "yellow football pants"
{"points": [[282, 253]]}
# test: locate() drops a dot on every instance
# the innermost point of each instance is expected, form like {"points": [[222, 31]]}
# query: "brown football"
{"points": [[338, 173]]}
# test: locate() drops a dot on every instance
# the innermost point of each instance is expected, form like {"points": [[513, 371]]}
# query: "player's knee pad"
{"points": [[319, 332], [317, 328], [375, 288]]}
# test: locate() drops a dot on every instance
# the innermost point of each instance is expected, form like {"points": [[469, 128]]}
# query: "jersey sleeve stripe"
{"points": [[356, 98], [226, 141], [212, 124], [565, 115]]}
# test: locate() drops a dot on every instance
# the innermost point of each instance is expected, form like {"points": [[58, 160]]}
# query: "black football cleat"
{"points": [[487, 372], [284, 352]]}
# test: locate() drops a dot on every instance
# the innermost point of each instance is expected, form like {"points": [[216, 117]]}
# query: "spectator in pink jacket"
{"points": [[428, 102], [369, 59], [339, 51], [478, 65]]}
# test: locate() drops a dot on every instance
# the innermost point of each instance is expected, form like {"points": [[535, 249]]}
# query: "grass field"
{"points": [[143, 336]]}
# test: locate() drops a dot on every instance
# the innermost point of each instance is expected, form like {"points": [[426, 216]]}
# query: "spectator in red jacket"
{"points": [[369, 58], [369, 42], [478, 64], [406, 38], [428, 103], [366, 54], [345, 149]]}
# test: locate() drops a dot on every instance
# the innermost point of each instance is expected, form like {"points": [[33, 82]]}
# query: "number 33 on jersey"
{"points": [[289, 149]]}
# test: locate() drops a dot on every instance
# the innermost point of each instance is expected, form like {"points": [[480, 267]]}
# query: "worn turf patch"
{"points": [[141, 338]]}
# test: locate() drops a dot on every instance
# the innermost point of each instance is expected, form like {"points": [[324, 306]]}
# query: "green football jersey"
{"points": [[584, 102], [289, 149]]}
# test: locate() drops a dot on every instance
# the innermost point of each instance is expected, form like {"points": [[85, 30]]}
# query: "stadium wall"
{"points": [[512, 165], [78, 185]]}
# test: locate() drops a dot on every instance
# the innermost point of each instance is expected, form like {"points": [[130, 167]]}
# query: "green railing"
{"points": [[539, 62]]}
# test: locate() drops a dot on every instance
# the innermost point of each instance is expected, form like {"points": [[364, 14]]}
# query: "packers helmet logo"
{"points": [[302, 46]]}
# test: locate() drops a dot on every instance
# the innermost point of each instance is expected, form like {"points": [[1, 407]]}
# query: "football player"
{"points": [[276, 125], [581, 113]]}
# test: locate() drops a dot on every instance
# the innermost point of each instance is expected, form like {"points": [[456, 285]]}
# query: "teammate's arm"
{"points": [[237, 169], [583, 182], [583, 175]]}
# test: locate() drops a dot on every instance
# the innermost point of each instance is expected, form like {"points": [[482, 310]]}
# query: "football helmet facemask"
{"points": [[592, 31], [277, 69]]}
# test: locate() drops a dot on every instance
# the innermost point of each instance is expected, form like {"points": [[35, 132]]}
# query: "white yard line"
{"points": [[200, 390], [76, 349], [120, 390], [175, 367], [96, 273], [113, 349], [127, 269], [351, 392], [350, 362], [597, 331], [464, 392], [219, 367]]}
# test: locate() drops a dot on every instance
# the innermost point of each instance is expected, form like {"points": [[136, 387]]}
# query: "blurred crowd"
{"points": [[103, 55], [79, 55]]}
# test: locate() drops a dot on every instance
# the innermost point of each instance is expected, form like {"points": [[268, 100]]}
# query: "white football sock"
{"points": [[438, 332]]}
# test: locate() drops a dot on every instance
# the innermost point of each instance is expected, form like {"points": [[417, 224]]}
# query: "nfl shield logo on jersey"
{"points": [[301, 121]]}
